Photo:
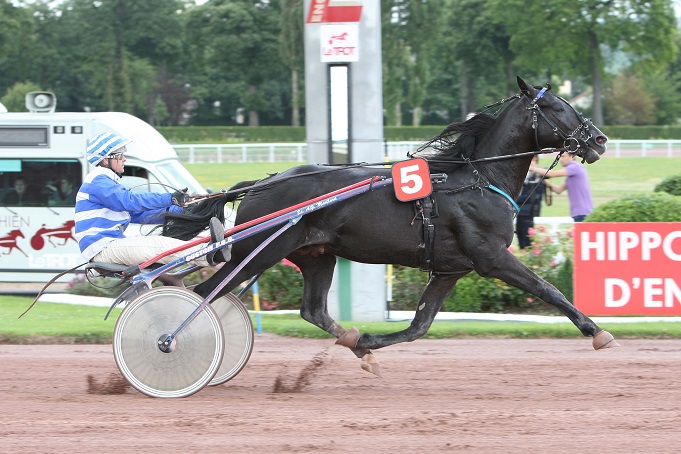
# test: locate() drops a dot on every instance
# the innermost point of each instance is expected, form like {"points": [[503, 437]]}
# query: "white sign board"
{"points": [[339, 42]]}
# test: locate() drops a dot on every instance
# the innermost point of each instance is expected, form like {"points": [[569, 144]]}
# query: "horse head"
{"points": [[557, 124]]}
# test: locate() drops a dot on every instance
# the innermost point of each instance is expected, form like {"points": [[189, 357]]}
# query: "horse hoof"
{"points": [[349, 338], [604, 339], [370, 364]]}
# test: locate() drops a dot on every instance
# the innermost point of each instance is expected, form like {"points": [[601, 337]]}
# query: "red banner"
{"points": [[627, 268], [328, 11]]}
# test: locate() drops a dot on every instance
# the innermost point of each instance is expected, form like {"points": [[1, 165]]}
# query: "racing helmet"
{"points": [[103, 145]]}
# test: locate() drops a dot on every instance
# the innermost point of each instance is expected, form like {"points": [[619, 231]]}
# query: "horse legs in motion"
{"points": [[317, 274], [506, 267]]}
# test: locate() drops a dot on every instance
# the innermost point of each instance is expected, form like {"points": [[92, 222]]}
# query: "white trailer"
{"points": [[43, 147]]}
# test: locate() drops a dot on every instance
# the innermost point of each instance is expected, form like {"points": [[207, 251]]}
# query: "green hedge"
{"points": [[232, 134], [643, 132], [671, 185], [656, 207], [277, 134]]}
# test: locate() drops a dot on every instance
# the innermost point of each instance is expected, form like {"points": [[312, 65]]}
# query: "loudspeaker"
{"points": [[41, 101]]}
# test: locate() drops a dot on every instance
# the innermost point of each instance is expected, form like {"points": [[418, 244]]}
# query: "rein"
{"points": [[196, 197], [571, 144]]}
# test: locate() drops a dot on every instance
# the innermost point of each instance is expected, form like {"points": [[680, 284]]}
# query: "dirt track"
{"points": [[473, 395]]}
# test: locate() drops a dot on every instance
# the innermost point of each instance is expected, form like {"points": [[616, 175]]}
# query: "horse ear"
{"points": [[526, 88]]}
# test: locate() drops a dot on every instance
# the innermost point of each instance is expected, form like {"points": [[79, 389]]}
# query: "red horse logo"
{"points": [[335, 39], [10, 242], [64, 232]]}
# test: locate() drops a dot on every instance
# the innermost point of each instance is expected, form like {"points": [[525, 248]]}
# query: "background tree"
{"points": [[236, 44], [292, 50], [15, 98], [158, 59], [481, 47], [629, 102], [569, 36], [395, 55], [17, 45]]}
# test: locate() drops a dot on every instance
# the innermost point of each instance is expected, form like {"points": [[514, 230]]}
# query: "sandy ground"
{"points": [[465, 395]]}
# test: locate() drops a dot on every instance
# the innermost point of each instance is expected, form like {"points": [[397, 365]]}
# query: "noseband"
{"points": [[572, 142]]}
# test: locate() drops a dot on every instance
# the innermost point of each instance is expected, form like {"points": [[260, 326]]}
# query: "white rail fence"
{"points": [[394, 151]]}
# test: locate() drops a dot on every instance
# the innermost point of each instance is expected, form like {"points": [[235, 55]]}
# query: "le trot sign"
{"points": [[628, 268]]}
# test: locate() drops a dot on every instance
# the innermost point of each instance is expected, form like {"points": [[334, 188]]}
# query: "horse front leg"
{"points": [[511, 270], [438, 288]]}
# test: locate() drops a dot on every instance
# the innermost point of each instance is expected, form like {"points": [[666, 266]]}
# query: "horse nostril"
{"points": [[600, 140]]}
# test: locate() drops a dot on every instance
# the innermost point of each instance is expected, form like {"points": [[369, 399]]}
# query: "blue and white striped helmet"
{"points": [[102, 145]]}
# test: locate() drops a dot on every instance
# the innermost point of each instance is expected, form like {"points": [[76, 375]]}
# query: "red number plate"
{"points": [[411, 180]]}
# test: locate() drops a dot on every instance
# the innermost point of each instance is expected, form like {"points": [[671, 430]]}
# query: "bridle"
{"points": [[572, 142]]}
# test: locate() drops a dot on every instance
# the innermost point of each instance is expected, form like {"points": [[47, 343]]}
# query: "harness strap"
{"points": [[508, 197], [426, 208]]}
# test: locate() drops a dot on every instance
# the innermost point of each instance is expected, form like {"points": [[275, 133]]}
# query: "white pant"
{"points": [[138, 249]]}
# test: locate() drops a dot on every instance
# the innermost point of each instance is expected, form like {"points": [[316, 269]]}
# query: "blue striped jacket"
{"points": [[105, 208]]}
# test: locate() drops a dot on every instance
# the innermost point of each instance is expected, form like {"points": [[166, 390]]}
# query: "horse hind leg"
{"points": [[438, 288], [317, 275]]}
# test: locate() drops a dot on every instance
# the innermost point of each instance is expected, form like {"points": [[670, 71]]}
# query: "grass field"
{"points": [[609, 178], [72, 324]]}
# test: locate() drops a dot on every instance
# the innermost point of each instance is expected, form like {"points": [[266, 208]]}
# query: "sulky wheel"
{"points": [[194, 356], [238, 329]]}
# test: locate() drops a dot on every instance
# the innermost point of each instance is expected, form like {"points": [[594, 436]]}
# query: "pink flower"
{"points": [[531, 231], [530, 300], [571, 233], [552, 264], [269, 306], [541, 228], [510, 249], [536, 252]]}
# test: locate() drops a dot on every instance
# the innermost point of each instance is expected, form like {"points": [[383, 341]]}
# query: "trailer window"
{"points": [[24, 136], [39, 182]]}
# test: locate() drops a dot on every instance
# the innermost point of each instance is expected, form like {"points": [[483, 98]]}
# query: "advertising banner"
{"points": [[627, 268]]}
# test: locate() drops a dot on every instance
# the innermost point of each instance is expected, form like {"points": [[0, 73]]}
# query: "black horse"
{"points": [[472, 231]]}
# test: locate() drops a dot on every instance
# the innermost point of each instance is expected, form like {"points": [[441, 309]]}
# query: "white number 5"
{"points": [[408, 174]]}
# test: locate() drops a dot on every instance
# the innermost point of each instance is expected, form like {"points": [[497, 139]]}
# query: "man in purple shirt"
{"points": [[576, 183]]}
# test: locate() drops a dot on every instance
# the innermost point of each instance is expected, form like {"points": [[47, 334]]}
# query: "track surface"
{"points": [[464, 395]]}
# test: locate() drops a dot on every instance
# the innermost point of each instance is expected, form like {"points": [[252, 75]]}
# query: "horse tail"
{"points": [[239, 189], [187, 225], [195, 218]]}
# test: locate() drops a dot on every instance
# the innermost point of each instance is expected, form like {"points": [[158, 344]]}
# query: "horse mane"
{"points": [[457, 141]]}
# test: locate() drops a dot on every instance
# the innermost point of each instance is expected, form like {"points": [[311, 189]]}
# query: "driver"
{"points": [[105, 208]]}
